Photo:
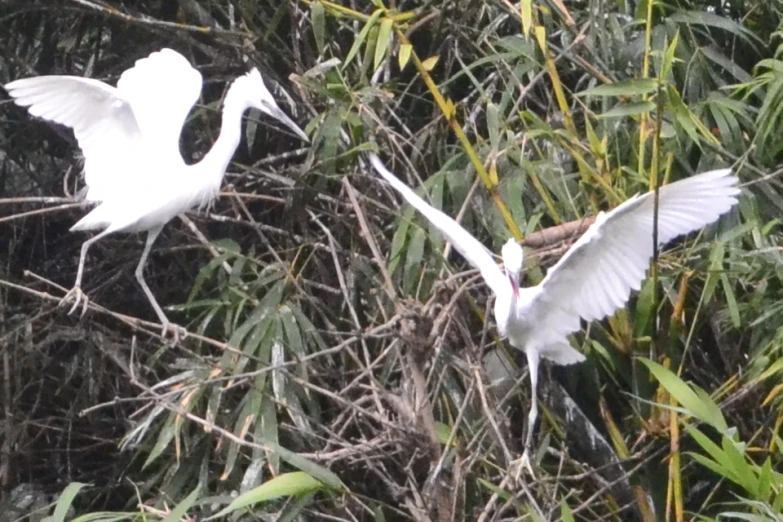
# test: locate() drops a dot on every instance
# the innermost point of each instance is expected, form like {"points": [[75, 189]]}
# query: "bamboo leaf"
{"points": [[384, 35], [357, 44], [668, 59], [702, 408], [626, 88], [64, 502], [318, 17], [179, 511], [629, 109], [429, 63], [526, 14], [292, 484], [404, 55]]}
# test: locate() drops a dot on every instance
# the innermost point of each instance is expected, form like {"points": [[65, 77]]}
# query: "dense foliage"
{"points": [[339, 365]]}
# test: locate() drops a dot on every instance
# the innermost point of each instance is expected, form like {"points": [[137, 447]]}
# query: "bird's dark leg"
{"points": [[76, 293], [152, 235]]}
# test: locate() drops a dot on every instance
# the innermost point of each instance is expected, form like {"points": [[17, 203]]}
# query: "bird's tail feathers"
{"points": [[97, 219], [563, 354]]}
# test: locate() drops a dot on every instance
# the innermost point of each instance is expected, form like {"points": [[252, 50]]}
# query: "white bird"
{"points": [[129, 136], [593, 279]]}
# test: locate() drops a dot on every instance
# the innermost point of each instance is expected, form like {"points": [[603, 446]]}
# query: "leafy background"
{"points": [[338, 365]]}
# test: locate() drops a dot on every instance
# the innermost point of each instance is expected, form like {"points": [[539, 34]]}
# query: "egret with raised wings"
{"points": [[594, 278], [129, 136]]}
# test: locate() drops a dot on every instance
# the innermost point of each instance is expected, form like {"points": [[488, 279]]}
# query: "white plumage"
{"points": [[129, 136], [594, 278]]}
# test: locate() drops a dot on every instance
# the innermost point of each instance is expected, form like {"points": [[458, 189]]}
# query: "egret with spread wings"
{"points": [[129, 136], [594, 278]]}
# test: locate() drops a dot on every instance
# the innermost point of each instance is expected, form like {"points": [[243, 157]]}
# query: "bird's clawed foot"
{"points": [[174, 331], [76, 295], [518, 466]]}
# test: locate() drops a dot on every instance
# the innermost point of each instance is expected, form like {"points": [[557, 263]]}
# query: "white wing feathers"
{"points": [[102, 121], [161, 89], [146, 110], [467, 245], [596, 276]]}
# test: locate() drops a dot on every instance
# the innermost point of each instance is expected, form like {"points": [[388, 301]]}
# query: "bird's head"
{"points": [[252, 89], [512, 261]]}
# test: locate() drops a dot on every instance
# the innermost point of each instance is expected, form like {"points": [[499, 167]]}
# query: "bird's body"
{"points": [[129, 136], [594, 278]]}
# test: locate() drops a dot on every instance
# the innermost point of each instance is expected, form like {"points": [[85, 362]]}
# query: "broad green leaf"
{"points": [[267, 427], [772, 370], [286, 485], [404, 55], [64, 502], [176, 514], [739, 466], [357, 44], [725, 63], [399, 240], [626, 88], [413, 259], [206, 273], [105, 516], [765, 481], [716, 267], [164, 439], [668, 59], [682, 115], [708, 445], [429, 63], [565, 512], [645, 309], [493, 126], [319, 23], [526, 13], [316, 471], [384, 34], [719, 22], [731, 301], [629, 109], [702, 408], [712, 466]]}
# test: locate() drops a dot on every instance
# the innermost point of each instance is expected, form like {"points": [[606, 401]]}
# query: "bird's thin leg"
{"points": [[525, 460], [532, 367], [152, 235], [76, 293]]}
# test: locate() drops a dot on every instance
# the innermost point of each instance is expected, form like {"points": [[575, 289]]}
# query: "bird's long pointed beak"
{"points": [[514, 284], [282, 117]]}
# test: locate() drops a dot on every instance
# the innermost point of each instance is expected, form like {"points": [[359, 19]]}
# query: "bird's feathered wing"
{"points": [[467, 245], [102, 121], [119, 128], [161, 89], [595, 277]]}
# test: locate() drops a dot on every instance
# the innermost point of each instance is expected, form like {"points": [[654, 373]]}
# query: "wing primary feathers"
{"points": [[596, 276]]}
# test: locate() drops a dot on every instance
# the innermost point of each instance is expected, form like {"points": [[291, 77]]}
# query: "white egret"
{"points": [[593, 279], [129, 136]]}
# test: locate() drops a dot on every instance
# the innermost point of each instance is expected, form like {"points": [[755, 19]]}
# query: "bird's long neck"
{"points": [[213, 165]]}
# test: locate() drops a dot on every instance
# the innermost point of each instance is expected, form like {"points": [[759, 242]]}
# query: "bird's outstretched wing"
{"points": [[161, 90], [122, 132], [595, 277], [460, 239], [102, 120]]}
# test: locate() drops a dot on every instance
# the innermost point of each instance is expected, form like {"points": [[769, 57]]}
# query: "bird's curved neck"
{"points": [[216, 161]]}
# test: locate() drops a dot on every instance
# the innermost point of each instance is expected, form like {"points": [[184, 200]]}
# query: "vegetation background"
{"points": [[339, 366]]}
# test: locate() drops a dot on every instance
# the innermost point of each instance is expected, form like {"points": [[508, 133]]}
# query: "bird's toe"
{"points": [[521, 465]]}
